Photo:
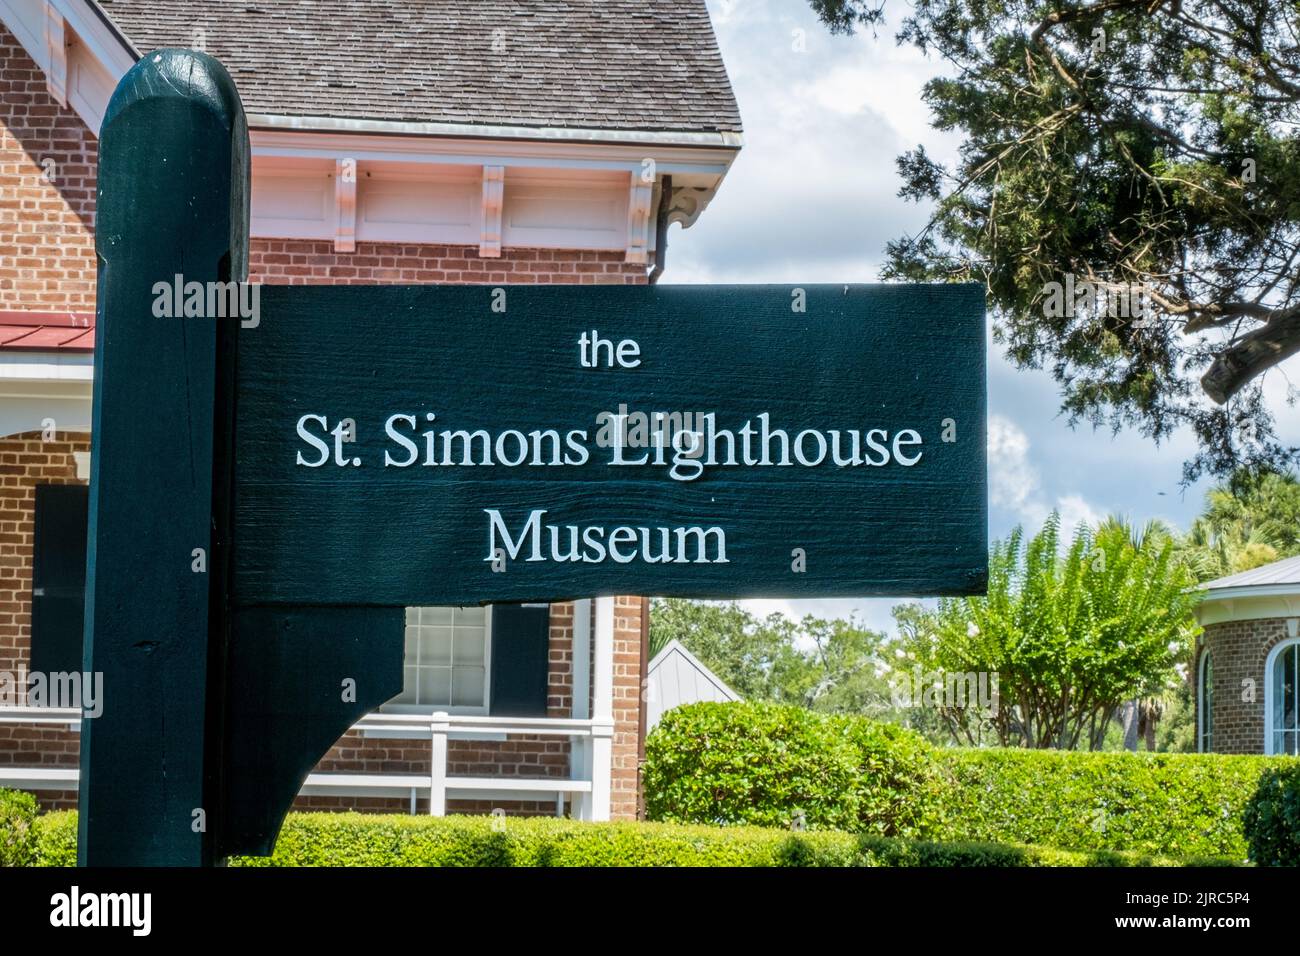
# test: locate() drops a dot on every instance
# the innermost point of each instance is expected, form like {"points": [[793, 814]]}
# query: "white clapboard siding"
{"points": [[677, 677]]}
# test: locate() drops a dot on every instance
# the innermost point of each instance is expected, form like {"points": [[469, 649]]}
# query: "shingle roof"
{"points": [[1286, 571], [595, 64]]}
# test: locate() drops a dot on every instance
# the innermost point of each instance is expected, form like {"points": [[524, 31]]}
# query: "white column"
{"points": [[602, 709], [581, 659], [438, 766], [580, 747]]}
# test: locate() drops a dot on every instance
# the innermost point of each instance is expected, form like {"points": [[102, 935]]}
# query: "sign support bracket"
{"points": [[213, 714]]}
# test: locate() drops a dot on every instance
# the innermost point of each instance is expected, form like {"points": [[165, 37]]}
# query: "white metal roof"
{"points": [[1279, 573], [676, 677]]}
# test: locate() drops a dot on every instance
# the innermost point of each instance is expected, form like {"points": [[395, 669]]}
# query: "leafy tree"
{"points": [[1249, 520], [843, 668], [1176, 732], [1070, 636], [1254, 503], [753, 657], [1145, 149], [832, 666]]}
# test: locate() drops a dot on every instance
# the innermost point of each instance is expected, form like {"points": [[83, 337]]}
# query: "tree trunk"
{"points": [[1129, 720]]}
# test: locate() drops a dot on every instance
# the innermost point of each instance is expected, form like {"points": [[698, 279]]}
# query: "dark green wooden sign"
{"points": [[452, 445], [268, 495]]}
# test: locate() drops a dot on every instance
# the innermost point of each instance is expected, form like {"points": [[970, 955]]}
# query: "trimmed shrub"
{"points": [[359, 839], [56, 839], [355, 839], [364, 839], [1272, 818], [899, 792], [17, 841], [778, 766], [1175, 804], [764, 764]]}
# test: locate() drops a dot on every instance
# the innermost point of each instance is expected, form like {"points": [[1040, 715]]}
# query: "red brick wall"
{"points": [[627, 707], [309, 262], [47, 247], [1238, 653], [25, 462]]}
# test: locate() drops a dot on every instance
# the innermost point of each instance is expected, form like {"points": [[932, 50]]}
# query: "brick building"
{"points": [[1248, 662], [422, 141]]}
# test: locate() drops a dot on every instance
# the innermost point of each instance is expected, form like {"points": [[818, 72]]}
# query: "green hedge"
{"points": [[776, 766], [1272, 818], [363, 839], [56, 839], [763, 764], [1175, 804], [17, 822]]}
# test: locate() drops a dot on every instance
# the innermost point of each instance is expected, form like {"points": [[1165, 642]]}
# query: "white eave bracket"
{"points": [[639, 218], [494, 189], [345, 205]]}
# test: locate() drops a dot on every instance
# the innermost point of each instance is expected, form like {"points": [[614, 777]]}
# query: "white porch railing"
{"points": [[40, 777], [590, 728], [586, 786]]}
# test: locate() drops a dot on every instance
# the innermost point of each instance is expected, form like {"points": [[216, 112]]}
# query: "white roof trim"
{"points": [[1262, 592], [101, 36], [320, 144], [1249, 591], [34, 366], [698, 161], [1248, 607], [677, 647], [332, 124]]}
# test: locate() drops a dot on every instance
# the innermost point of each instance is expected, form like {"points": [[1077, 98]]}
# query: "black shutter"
{"points": [[59, 577], [521, 639]]}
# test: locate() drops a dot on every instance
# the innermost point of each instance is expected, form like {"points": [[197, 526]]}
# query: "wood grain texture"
{"points": [[861, 357], [173, 198], [303, 676]]}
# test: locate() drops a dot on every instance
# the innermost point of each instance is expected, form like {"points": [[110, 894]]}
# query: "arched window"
{"points": [[1281, 714], [1205, 704]]}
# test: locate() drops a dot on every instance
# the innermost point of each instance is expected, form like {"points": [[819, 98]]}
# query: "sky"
{"points": [[813, 198]]}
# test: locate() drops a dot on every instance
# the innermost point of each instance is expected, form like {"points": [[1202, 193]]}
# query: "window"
{"points": [[476, 660], [58, 578], [1281, 720], [1205, 705], [447, 660]]}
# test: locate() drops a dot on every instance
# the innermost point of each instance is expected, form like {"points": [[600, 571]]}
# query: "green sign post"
{"points": [[279, 472]]}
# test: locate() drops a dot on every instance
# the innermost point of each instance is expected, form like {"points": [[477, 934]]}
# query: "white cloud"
{"points": [[871, 613], [1015, 483], [811, 198], [1074, 512]]}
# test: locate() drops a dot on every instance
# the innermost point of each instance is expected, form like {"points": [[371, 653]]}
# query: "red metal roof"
{"points": [[47, 331]]}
